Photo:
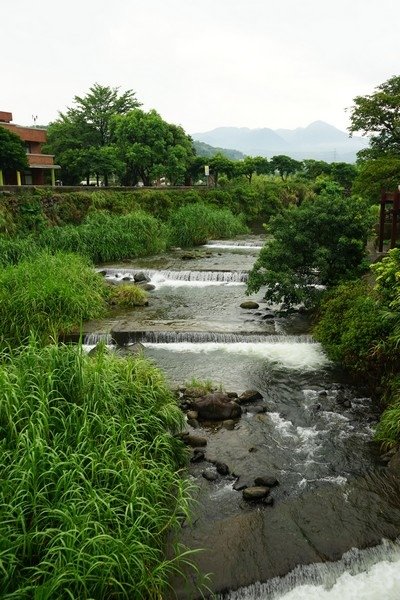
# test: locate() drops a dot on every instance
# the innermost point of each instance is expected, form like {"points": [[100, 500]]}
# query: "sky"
{"points": [[200, 64]]}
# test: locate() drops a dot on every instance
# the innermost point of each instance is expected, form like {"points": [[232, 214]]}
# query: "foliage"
{"points": [[376, 175], [12, 151], [284, 165], [351, 328], [127, 295], [151, 148], [81, 137], [103, 237], [378, 115], [322, 241], [194, 224], [48, 295], [13, 250], [91, 486]]}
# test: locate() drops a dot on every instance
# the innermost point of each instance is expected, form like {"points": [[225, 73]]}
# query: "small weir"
{"points": [[204, 337], [233, 245], [176, 278], [372, 574]]}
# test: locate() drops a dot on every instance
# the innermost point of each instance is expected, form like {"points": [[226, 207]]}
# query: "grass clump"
{"points": [[90, 475], [48, 295], [127, 296], [104, 237], [194, 224], [13, 250]]}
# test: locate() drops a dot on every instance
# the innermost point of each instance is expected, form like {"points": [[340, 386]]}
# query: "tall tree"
{"points": [[285, 165], [86, 129], [151, 148], [378, 115], [12, 151]]}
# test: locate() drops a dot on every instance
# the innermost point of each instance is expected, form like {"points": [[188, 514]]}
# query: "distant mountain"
{"points": [[203, 149], [319, 140]]}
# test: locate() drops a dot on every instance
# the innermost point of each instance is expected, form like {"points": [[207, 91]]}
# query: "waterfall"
{"points": [[202, 337], [165, 275], [372, 574]]}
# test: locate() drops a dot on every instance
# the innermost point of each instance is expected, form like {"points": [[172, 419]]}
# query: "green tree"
{"points": [[219, 164], [12, 151], [151, 148], [84, 130], [376, 175], [378, 115], [320, 242], [285, 165]]}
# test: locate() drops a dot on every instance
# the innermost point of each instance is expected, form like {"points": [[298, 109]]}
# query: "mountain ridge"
{"points": [[318, 140]]}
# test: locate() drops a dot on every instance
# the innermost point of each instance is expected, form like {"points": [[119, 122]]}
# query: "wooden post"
{"points": [[395, 212], [19, 178], [382, 221]]}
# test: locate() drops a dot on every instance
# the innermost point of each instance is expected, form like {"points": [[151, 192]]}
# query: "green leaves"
{"points": [[12, 151]]}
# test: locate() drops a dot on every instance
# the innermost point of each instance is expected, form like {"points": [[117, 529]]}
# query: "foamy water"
{"points": [[303, 356], [372, 574]]}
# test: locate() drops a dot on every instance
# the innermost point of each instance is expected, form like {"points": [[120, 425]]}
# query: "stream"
{"points": [[333, 527]]}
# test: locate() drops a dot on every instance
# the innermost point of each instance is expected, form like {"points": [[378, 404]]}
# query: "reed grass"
{"points": [[194, 224], [104, 237], [89, 466], [48, 295], [127, 295]]}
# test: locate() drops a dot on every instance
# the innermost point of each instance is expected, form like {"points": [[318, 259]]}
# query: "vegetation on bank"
{"points": [[48, 295], [359, 325], [91, 482]]}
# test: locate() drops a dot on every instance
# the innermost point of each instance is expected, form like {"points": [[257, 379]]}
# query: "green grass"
{"points": [[127, 295], [91, 487], [48, 295], [103, 237], [13, 250], [194, 224]]}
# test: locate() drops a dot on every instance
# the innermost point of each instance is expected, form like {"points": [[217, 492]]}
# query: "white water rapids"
{"points": [[372, 574]]}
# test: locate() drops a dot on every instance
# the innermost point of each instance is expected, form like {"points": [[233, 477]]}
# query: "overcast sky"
{"points": [[201, 64]]}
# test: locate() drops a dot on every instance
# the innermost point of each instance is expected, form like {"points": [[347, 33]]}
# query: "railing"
{"points": [[40, 159]]}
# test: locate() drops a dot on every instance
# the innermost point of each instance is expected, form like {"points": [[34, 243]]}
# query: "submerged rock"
{"points": [[229, 424], [222, 468], [266, 481], [198, 456], [194, 440], [249, 305], [255, 493], [210, 475]]}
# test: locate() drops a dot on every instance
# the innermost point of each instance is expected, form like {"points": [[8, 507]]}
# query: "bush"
{"points": [[194, 224], [322, 241], [48, 295], [90, 476]]}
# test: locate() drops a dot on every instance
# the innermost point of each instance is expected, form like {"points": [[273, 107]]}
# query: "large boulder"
{"points": [[216, 407], [250, 396], [139, 277], [249, 305]]}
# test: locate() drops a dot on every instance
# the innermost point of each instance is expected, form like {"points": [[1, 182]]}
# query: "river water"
{"points": [[312, 431]]}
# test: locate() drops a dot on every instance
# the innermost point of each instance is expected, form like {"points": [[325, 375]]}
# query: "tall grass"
{"points": [[194, 224], [103, 237], [13, 250], [48, 295], [90, 476]]}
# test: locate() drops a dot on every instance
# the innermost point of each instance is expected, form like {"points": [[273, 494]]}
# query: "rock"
{"points": [[269, 501], [229, 424], [239, 486], [140, 277], [266, 481], [194, 440], [249, 305], [222, 468], [322, 394], [210, 475], [250, 396], [253, 494], [194, 423], [216, 407], [188, 256], [346, 404], [136, 348], [257, 409], [148, 287], [103, 272], [232, 394], [126, 278], [198, 456], [253, 449], [192, 414], [269, 315]]}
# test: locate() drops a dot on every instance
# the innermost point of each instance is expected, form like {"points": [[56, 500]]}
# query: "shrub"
{"points": [[90, 476], [48, 295]]}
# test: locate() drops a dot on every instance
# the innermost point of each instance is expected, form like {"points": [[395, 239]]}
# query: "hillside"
{"points": [[203, 149]]}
